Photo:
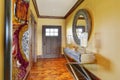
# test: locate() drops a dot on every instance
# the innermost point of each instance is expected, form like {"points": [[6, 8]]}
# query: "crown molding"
{"points": [[52, 17]]}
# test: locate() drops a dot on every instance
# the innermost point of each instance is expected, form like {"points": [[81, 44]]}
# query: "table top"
{"points": [[98, 70]]}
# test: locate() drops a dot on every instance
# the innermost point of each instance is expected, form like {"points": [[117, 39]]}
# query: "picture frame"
{"points": [[7, 40], [10, 30]]}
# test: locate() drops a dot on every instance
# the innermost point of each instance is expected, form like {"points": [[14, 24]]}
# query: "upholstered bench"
{"points": [[79, 56], [72, 54]]}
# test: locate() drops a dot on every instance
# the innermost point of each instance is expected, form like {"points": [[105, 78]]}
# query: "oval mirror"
{"points": [[82, 27]]}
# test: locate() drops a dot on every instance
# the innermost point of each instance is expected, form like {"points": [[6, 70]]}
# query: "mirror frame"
{"points": [[88, 27]]}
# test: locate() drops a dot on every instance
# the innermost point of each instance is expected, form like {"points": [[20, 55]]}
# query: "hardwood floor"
{"points": [[50, 69]]}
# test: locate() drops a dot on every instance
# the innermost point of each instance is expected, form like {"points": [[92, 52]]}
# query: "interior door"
{"points": [[51, 41]]}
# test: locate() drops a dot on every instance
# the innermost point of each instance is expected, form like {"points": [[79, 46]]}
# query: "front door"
{"points": [[51, 41]]}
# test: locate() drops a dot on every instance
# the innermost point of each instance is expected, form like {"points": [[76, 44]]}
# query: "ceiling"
{"points": [[55, 8]]}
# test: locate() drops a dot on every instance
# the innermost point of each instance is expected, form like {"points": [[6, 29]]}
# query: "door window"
{"points": [[51, 32]]}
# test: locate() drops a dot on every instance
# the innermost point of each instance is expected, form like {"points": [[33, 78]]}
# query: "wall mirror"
{"points": [[81, 24]]}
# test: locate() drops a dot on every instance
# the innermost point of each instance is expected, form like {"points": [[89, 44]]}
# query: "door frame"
{"points": [[47, 26], [33, 26]]}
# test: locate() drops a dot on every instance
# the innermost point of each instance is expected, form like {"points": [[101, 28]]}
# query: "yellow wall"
{"points": [[32, 9], [105, 38], [44, 21], [1, 38]]}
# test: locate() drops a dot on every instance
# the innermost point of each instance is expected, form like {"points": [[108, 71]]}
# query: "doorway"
{"points": [[33, 38], [51, 41]]}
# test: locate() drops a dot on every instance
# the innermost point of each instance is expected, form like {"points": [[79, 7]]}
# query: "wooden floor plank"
{"points": [[50, 69]]}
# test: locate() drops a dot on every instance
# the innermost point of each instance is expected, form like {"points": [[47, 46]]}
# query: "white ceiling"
{"points": [[54, 7]]}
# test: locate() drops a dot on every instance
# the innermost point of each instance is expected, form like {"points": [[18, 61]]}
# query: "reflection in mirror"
{"points": [[81, 21], [81, 26]]}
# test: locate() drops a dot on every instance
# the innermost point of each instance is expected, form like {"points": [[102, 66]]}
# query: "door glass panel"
{"points": [[51, 32], [56, 30], [47, 30], [56, 34], [47, 34]]}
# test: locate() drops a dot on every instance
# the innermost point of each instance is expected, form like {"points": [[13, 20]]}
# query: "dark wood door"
{"points": [[51, 41]]}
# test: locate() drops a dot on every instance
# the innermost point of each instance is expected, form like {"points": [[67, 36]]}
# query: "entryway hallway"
{"points": [[50, 69]]}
